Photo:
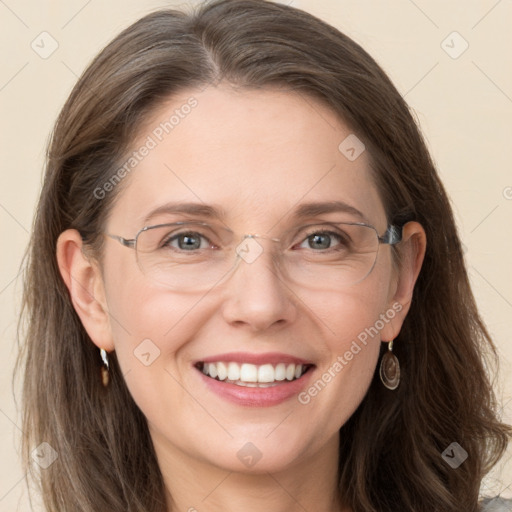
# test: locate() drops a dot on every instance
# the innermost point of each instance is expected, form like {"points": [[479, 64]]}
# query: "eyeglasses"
{"points": [[194, 256]]}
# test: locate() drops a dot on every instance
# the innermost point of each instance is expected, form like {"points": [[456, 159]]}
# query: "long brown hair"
{"points": [[390, 449]]}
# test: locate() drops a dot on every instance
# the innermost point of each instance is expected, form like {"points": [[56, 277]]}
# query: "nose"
{"points": [[256, 294]]}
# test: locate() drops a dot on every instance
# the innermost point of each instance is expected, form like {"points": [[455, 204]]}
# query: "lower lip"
{"points": [[257, 397]]}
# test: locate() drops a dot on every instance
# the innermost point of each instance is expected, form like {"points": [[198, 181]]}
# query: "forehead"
{"points": [[255, 154]]}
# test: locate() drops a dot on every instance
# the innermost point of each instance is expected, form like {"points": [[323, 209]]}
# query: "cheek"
{"points": [[352, 335], [351, 322], [151, 329], [353, 313], [139, 308], [141, 313], [149, 325]]}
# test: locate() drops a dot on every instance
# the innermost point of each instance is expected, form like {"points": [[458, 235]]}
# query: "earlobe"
{"points": [[86, 288], [412, 253]]}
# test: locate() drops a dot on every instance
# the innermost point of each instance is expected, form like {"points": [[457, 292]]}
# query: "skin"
{"points": [[257, 153]]}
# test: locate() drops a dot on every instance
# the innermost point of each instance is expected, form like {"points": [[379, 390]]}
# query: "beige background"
{"points": [[464, 105]]}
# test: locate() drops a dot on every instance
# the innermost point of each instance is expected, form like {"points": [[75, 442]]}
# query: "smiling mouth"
{"points": [[251, 375]]}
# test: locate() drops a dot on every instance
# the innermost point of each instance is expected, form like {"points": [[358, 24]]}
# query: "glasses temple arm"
{"points": [[124, 241], [392, 236]]}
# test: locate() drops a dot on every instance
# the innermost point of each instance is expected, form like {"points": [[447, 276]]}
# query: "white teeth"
{"points": [[266, 373], [212, 370], [252, 375], [222, 371], [280, 372], [249, 373], [233, 371]]}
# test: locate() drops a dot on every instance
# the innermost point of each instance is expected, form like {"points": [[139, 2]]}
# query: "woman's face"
{"points": [[257, 156]]}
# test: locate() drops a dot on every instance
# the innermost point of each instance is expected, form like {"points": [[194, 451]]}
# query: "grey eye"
{"points": [[187, 241], [322, 240]]}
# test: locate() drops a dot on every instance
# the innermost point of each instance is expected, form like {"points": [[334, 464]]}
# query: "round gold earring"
{"points": [[390, 369], [105, 376]]}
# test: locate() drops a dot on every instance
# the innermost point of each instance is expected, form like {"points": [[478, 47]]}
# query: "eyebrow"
{"points": [[312, 209]]}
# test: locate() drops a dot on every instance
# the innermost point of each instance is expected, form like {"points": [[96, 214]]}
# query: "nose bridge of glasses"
{"points": [[264, 237]]}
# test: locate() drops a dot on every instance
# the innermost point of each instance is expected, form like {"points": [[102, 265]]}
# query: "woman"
{"points": [[245, 287]]}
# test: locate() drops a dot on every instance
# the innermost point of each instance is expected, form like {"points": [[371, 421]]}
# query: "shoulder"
{"points": [[496, 504]]}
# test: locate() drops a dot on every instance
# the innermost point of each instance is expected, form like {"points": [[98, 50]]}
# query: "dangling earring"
{"points": [[390, 369], [105, 376]]}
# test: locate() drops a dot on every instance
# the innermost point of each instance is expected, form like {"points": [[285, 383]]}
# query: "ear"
{"points": [[82, 276], [412, 252]]}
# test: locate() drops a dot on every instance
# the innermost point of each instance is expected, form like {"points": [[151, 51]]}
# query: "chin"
{"points": [[259, 455]]}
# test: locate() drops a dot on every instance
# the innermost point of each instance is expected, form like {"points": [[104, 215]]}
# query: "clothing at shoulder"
{"points": [[496, 505]]}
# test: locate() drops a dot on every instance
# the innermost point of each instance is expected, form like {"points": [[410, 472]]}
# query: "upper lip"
{"points": [[252, 358]]}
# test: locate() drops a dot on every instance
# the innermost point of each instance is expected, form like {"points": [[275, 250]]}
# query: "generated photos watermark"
{"points": [[306, 396], [151, 142]]}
